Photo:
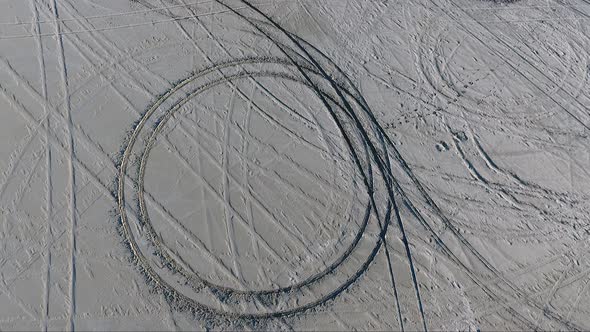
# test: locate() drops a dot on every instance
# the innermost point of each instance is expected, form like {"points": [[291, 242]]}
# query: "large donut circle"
{"points": [[174, 279]]}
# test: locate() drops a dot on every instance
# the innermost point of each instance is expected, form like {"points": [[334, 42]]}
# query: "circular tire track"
{"points": [[355, 142], [368, 147]]}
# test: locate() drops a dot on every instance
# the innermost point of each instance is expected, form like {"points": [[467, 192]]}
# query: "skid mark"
{"points": [[246, 181], [231, 241], [72, 176], [48, 168]]}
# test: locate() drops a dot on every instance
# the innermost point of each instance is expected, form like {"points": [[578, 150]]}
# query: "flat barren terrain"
{"points": [[294, 165]]}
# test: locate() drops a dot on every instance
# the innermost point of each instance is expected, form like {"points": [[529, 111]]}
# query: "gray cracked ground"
{"points": [[294, 165]]}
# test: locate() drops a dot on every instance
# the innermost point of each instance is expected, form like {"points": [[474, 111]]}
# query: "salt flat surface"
{"points": [[294, 165]]}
